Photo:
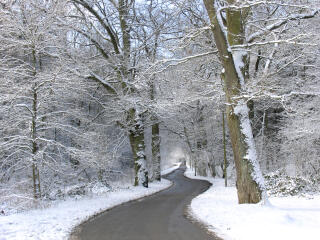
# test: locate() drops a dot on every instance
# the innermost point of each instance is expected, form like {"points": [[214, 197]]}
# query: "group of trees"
{"points": [[84, 81], [77, 93], [50, 120]]}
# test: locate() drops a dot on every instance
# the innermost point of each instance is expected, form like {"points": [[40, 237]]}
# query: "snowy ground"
{"points": [[56, 222], [286, 218]]}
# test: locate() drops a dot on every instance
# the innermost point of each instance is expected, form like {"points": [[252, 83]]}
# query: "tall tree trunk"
{"points": [[35, 169], [224, 152], [227, 33], [193, 163], [156, 158], [201, 140], [155, 139], [262, 152], [136, 136]]}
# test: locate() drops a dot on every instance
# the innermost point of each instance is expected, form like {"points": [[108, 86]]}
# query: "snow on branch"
{"points": [[292, 40], [95, 77], [103, 21], [185, 59], [279, 23], [177, 61]]}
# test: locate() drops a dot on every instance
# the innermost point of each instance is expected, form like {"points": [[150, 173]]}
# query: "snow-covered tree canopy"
{"points": [[95, 91]]}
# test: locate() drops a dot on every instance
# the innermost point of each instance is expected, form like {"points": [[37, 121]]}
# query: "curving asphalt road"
{"points": [[158, 217]]}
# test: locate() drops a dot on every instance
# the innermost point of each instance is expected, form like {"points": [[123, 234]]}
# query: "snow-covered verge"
{"points": [[56, 222], [285, 218]]}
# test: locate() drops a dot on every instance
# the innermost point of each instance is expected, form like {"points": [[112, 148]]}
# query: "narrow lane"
{"points": [[158, 217]]}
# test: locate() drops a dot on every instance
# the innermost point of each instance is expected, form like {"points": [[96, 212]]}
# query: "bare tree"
{"points": [[108, 27], [229, 27]]}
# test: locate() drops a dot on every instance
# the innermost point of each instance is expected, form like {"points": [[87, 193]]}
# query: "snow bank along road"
{"points": [[159, 217], [293, 218], [56, 222]]}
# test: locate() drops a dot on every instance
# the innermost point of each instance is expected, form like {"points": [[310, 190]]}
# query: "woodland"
{"points": [[93, 92]]}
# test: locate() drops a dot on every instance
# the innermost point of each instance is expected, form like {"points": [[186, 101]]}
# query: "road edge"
{"points": [[76, 230], [191, 216]]}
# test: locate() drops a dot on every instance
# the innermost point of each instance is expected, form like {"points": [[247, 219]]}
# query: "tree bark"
{"points": [[224, 152], [201, 137], [155, 139], [227, 33], [156, 158], [35, 169], [136, 136], [193, 160]]}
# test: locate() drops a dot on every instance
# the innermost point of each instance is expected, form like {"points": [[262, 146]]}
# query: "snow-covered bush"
{"points": [[79, 190], [278, 183]]}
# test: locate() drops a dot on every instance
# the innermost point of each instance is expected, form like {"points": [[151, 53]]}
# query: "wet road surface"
{"points": [[158, 217]]}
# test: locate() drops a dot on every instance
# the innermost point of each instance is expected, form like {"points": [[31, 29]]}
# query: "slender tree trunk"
{"points": [[35, 169], [156, 158], [212, 169], [227, 33], [136, 136], [155, 139], [201, 140], [193, 163], [224, 152], [266, 163]]}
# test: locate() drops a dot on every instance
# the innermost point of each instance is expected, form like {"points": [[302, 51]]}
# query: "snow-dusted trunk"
{"points": [[155, 138], [250, 183], [228, 31], [35, 169], [156, 159], [225, 175], [201, 140], [262, 143], [136, 136], [136, 133], [193, 160]]}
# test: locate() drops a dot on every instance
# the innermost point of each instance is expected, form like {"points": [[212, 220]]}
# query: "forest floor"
{"points": [[57, 221], [293, 218]]}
